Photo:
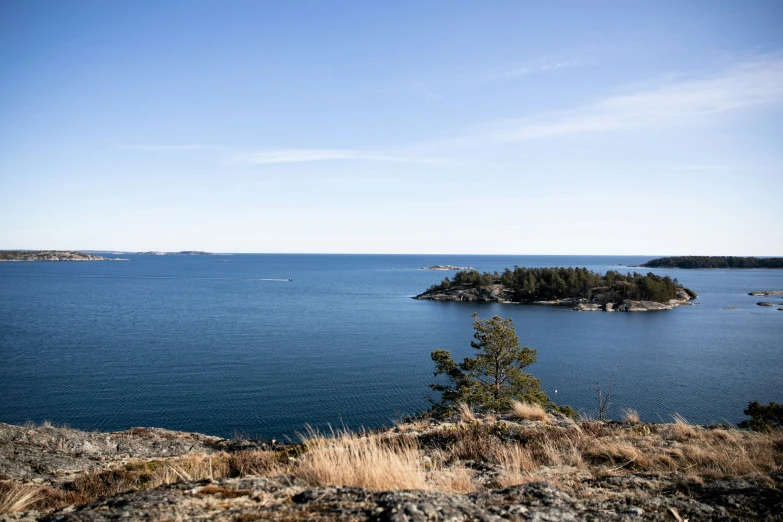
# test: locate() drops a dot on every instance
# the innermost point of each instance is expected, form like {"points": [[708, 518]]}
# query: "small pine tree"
{"points": [[496, 376]]}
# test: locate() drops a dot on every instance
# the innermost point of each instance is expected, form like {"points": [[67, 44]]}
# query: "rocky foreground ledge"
{"points": [[457, 469], [498, 293]]}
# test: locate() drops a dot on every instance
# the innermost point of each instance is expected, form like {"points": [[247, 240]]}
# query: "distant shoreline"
{"points": [[721, 262], [22, 256]]}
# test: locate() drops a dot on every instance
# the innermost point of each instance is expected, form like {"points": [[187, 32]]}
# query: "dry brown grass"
{"points": [[14, 497], [453, 479], [682, 429], [516, 465], [630, 416], [135, 475], [261, 463], [452, 458], [368, 462], [469, 442], [614, 454], [193, 467], [466, 412], [527, 411]]}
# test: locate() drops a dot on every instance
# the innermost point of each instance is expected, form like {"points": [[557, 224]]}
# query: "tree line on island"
{"points": [[690, 262], [538, 284]]}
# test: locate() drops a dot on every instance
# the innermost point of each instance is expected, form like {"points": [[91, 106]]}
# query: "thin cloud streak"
{"points": [[754, 83], [438, 86], [154, 148], [516, 72], [276, 156]]}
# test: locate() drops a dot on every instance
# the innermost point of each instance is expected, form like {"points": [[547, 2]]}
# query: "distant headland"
{"points": [[51, 255], [692, 262], [578, 288], [90, 255]]}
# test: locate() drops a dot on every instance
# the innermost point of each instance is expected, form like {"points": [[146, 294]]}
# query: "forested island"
{"points": [[579, 288], [691, 262], [51, 255]]}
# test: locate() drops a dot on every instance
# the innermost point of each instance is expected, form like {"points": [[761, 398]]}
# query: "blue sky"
{"points": [[393, 127]]}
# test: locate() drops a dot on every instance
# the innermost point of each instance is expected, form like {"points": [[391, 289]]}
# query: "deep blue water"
{"points": [[225, 344]]}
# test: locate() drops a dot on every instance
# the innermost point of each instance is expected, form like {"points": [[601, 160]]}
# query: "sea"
{"points": [[267, 345]]}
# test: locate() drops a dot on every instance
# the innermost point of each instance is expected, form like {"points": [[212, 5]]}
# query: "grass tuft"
{"points": [[682, 429], [527, 411], [465, 412], [631, 416], [14, 497], [366, 462]]}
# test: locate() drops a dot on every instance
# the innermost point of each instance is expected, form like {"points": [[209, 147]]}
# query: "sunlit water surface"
{"points": [[226, 344]]}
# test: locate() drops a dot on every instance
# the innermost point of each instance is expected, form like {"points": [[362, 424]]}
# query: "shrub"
{"points": [[763, 417]]}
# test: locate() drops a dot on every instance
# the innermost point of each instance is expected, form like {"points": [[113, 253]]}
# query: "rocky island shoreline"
{"points": [[578, 289], [457, 468]]}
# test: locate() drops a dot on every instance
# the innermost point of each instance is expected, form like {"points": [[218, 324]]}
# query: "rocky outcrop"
{"points": [[765, 303], [766, 292], [285, 498], [53, 455], [622, 491], [497, 293]]}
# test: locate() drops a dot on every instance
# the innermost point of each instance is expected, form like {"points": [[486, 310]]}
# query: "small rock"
{"points": [[635, 511], [765, 303]]}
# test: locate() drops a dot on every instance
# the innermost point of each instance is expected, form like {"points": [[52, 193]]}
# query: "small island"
{"points": [[51, 255], [447, 267], [578, 288], [693, 262]]}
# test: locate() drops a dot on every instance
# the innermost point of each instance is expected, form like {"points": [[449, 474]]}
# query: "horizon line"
{"points": [[134, 251]]}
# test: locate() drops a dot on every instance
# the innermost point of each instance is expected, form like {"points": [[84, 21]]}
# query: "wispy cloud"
{"points": [[153, 148], [439, 86], [273, 156], [523, 70], [749, 84]]}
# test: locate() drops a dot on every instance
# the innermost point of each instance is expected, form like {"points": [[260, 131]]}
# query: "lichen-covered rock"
{"points": [[53, 455], [616, 493]]}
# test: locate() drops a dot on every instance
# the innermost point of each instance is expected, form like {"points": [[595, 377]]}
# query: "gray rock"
{"points": [[54, 455], [765, 303], [585, 307]]}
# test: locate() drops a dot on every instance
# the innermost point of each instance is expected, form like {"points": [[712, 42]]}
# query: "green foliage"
{"points": [[715, 262], [568, 411], [763, 417], [544, 284], [495, 376]]}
